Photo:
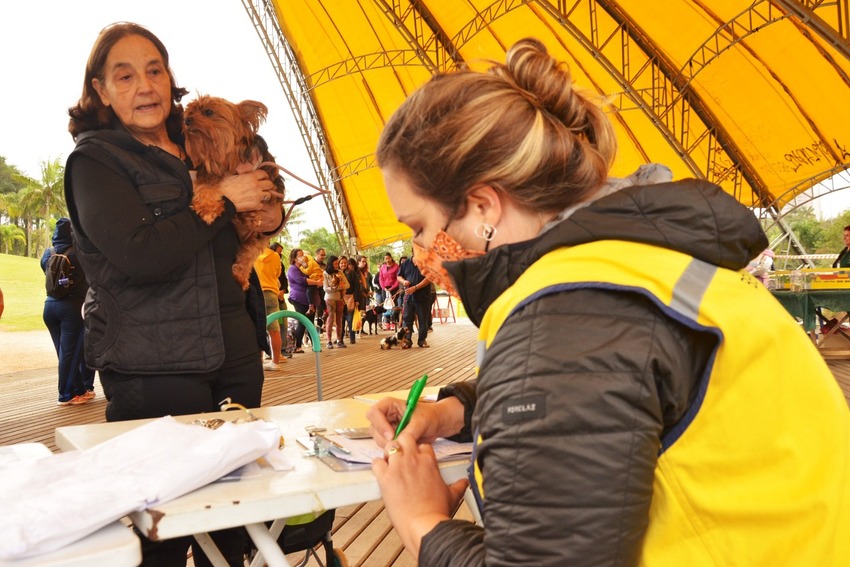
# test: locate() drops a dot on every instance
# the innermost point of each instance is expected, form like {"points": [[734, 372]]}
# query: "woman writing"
{"points": [[624, 412], [167, 326]]}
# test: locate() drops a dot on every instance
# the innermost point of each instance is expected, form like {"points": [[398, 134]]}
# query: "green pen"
{"points": [[412, 400]]}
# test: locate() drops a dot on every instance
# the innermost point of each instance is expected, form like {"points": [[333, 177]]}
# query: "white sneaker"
{"points": [[271, 365]]}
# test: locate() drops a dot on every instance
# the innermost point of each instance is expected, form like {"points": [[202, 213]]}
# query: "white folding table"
{"points": [[310, 487]]}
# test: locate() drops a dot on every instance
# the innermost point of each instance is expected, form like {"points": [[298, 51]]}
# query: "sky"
{"points": [[213, 50]]}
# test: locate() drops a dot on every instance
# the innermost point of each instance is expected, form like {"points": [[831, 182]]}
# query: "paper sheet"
{"points": [[366, 450]]}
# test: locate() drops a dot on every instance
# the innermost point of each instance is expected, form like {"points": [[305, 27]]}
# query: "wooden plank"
{"points": [[31, 413]]}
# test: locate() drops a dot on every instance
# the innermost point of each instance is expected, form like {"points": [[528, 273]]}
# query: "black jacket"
{"points": [[617, 373], [160, 314]]}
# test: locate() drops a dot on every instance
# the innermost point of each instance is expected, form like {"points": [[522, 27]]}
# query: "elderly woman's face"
{"points": [[136, 85]]}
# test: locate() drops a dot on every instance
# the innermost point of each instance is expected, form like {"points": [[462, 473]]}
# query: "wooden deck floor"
{"points": [[363, 532]]}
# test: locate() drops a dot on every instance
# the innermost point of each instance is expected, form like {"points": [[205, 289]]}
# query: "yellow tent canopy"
{"points": [[751, 95]]}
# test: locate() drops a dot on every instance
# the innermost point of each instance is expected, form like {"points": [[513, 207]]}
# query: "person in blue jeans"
{"points": [[64, 319], [417, 302]]}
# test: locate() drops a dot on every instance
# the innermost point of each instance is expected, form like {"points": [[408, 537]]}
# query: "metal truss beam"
{"points": [[829, 19], [422, 32], [379, 60], [652, 84], [285, 65]]}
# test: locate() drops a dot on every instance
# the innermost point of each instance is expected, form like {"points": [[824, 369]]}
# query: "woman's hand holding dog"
{"points": [[248, 190]]}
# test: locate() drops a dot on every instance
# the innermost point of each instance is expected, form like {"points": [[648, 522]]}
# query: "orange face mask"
{"points": [[444, 249]]}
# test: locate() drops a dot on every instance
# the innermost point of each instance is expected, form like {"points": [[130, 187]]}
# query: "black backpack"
{"points": [[59, 274]]}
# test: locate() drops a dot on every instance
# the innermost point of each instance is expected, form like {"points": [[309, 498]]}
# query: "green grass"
{"points": [[22, 282]]}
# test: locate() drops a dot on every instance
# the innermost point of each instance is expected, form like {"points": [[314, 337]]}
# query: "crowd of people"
{"points": [[337, 294]]}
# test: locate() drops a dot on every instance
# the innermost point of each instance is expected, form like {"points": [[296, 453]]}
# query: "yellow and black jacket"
{"points": [[641, 401]]}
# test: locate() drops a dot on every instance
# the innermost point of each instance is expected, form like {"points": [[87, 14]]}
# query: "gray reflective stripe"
{"points": [[688, 291], [479, 355]]}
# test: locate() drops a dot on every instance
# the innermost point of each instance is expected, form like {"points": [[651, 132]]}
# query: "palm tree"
{"points": [[10, 235], [13, 210], [41, 201]]}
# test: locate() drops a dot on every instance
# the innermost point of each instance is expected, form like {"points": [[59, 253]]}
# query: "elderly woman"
{"points": [[627, 410], [167, 326]]}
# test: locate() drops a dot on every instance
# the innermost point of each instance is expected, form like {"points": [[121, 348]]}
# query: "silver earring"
{"points": [[485, 231]]}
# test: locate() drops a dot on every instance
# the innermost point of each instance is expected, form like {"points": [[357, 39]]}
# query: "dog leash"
{"points": [[300, 200]]}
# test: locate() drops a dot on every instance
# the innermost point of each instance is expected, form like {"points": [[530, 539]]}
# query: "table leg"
{"points": [[211, 550], [275, 530], [835, 329], [267, 545]]}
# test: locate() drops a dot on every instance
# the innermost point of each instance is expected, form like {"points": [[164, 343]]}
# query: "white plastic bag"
{"points": [[57, 500]]}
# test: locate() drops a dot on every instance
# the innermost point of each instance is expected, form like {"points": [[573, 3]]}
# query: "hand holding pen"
{"points": [[387, 414], [412, 401], [411, 485]]}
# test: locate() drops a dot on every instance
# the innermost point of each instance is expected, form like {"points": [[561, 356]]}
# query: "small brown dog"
{"points": [[221, 135]]}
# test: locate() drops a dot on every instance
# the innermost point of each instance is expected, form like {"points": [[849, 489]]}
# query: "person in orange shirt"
{"points": [[268, 268]]}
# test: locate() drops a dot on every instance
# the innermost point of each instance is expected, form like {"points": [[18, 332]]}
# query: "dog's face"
{"points": [[220, 135]]}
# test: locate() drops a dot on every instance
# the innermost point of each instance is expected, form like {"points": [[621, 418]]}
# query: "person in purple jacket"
{"points": [[298, 283]]}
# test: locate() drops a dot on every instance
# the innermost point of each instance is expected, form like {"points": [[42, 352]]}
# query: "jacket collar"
{"points": [[692, 216]]}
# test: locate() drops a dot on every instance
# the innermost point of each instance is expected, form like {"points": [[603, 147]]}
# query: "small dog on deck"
{"points": [[221, 135], [395, 339], [370, 319]]}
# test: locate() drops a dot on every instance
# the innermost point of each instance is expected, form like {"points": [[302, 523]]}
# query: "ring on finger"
{"points": [[393, 450], [267, 198]]}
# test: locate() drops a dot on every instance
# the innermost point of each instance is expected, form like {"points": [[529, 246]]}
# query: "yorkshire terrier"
{"points": [[221, 135]]}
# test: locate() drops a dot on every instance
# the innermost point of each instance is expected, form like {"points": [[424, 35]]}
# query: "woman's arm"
{"points": [[327, 283], [569, 481], [295, 276], [116, 220]]}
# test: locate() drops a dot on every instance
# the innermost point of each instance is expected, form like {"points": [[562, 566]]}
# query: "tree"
{"points": [[9, 179], [11, 235], [810, 232], [40, 202], [311, 240]]}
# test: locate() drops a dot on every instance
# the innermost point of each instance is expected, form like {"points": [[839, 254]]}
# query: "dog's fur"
{"points": [[369, 318], [395, 339], [221, 135]]}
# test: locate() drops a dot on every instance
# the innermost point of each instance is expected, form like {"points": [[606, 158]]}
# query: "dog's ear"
{"points": [[253, 112]]}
